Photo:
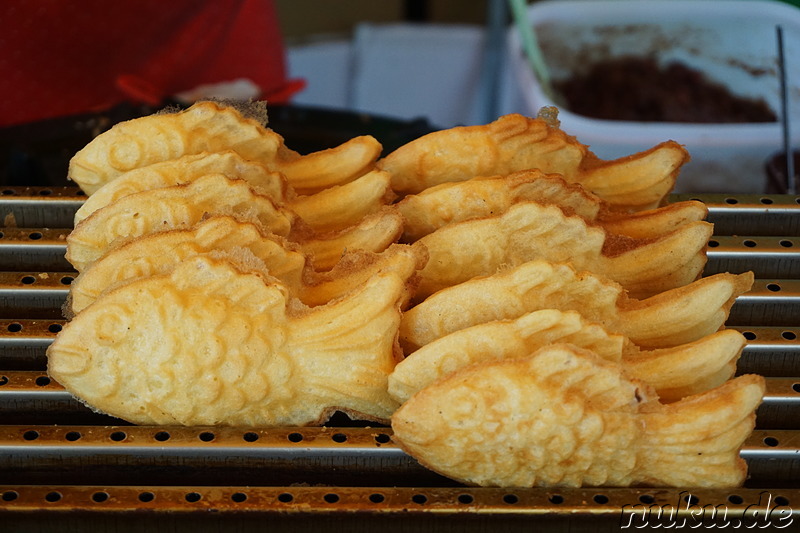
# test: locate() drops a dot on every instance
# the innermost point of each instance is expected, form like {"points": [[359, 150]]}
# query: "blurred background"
{"points": [[401, 58], [398, 69]]}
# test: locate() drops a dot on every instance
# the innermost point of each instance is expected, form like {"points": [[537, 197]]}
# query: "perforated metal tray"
{"points": [[60, 462]]}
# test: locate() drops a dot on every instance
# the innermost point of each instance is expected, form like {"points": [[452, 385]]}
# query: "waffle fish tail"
{"points": [[698, 439]]}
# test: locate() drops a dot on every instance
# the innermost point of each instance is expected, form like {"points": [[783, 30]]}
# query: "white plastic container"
{"points": [[732, 42]]}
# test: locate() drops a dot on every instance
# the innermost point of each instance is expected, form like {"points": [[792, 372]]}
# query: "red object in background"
{"points": [[62, 57]]}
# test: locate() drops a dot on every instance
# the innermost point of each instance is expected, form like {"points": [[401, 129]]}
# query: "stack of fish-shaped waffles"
{"points": [[521, 312]]}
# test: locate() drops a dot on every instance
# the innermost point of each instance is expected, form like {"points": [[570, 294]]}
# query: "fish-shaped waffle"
{"points": [[529, 230], [511, 143], [183, 206], [671, 318], [167, 208], [183, 170], [446, 203], [158, 253], [220, 342], [514, 142], [331, 209], [215, 127], [672, 372], [204, 127], [565, 417]]}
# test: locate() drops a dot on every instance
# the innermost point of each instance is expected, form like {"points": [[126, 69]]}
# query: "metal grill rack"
{"points": [[62, 463]]}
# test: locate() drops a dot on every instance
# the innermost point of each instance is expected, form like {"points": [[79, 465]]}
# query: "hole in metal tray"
{"points": [[735, 499], [420, 499], [465, 498], [691, 499]]}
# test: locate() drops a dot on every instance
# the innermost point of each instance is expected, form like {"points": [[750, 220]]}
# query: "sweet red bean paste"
{"points": [[639, 89]]}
